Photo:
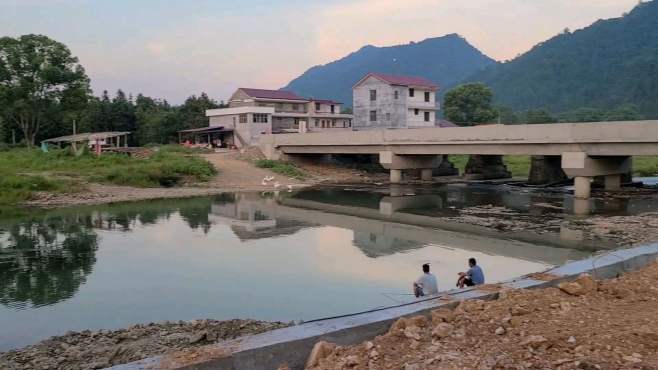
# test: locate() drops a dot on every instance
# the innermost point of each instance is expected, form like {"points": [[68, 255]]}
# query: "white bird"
{"points": [[276, 185], [289, 187], [269, 178], [263, 183]]}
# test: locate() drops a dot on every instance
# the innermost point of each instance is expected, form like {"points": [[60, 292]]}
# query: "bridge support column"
{"points": [[583, 168], [426, 174], [582, 187], [612, 182], [486, 167], [396, 176], [546, 169]]}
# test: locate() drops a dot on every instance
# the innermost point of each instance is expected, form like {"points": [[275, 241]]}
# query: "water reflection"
{"points": [[317, 252]]}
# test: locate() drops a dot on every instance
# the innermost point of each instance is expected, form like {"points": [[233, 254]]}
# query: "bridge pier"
{"points": [[583, 168], [396, 163]]}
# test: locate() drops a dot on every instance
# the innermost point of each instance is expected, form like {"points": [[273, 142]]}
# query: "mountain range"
{"points": [[610, 63], [444, 60]]}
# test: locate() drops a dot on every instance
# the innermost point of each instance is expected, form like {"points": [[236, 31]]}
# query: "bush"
{"points": [[282, 168]]}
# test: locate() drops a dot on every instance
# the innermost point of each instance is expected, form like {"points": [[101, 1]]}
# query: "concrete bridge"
{"points": [[587, 150]]}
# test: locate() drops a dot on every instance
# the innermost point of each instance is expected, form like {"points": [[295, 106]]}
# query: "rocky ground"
{"points": [[580, 325], [104, 348]]}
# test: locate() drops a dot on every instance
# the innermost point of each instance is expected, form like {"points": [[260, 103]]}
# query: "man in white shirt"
{"points": [[426, 283]]}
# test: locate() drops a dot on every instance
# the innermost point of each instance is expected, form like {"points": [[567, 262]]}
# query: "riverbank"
{"points": [[105, 348], [584, 325]]}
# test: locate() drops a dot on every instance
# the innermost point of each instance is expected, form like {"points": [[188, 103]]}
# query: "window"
{"points": [[411, 92], [427, 116], [295, 107], [243, 118], [260, 118], [296, 123], [333, 109], [427, 96], [317, 122], [278, 106], [396, 94], [333, 123], [373, 95], [317, 106], [388, 116], [373, 116], [416, 111]]}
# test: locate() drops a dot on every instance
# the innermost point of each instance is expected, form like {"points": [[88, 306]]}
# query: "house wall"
{"points": [[414, 120], [391, 112]]}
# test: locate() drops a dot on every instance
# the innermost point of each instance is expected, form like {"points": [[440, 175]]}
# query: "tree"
{"points": [[469, 104], [538, 116], [39, 78]]}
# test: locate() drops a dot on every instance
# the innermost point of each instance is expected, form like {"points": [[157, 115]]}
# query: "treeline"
{"points": [[45, 93], [624, 112]]}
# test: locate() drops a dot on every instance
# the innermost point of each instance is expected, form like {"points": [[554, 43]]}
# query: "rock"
{"points": [[412, 332], [571, 288], [442, 315], [420, 321], [398, 326], [586, 281], [369, 345], [534, 341], [571, 339], [351, 361], [500, 330], [411, 367], [519, 311], [198, 337], [442, 330], [321, 350], [374, 354], [632, 359]]}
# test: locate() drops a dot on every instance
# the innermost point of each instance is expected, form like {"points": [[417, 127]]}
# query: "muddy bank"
{"points": [[104, 348], [580, 325]]}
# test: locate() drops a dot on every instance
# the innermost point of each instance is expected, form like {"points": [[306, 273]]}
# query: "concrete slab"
{"points": [[292, 345]]}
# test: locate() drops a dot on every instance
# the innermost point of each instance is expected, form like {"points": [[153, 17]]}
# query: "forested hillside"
{"points": [[445, 60], [611, 64]]}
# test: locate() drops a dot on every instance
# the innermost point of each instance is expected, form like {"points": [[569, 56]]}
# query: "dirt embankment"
{"points": [[104, 348], [585, 325]]}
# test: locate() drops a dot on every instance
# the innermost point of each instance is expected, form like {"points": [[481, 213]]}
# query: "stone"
{"points": [[321, 350], [374, 354], [632, 359], [369, 345], [571, 339], [586, 281], [519, 311], [351, 361], [442, 315], [420, 321], [398, 326], [412, 332], [411, 367], [571, 288], [198, 337], [442, 330], [534, 341], [500, 330]]}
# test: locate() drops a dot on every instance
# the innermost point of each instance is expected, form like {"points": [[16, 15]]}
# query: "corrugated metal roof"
{"points": [[86, 137]]}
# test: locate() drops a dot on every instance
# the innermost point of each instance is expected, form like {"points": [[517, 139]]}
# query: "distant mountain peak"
{"points": [[443, 60]]}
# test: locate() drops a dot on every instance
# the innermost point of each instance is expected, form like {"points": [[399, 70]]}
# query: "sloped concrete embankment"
{"points": [[292, 345]]}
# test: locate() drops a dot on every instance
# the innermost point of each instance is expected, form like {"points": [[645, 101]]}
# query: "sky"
{"points": [[172, 49]]}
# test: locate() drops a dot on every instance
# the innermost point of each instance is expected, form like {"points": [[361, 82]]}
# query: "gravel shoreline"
{"points": [[104, 348]]}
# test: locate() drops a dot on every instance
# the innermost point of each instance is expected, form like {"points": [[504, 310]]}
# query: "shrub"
{"points": [[282, 168]]}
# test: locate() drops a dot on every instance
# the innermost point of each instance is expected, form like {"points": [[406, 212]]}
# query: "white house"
{"points": [[392, 101]]}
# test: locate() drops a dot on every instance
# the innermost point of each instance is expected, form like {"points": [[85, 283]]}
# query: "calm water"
{"points": [[289, 256]]}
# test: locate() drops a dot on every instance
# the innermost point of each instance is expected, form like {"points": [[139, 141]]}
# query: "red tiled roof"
{"points": [[272, 94], [405, 80]]}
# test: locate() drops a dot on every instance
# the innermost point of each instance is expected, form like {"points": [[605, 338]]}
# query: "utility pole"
{"points": [[74, 145], [13, 137]]}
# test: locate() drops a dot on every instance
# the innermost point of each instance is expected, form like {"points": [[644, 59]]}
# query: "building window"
{"points": [[411, 92], [296, 123], [416, 112], [317, 107], [427, 116], [260, 118], [317, 122], [295, 107], [427, 96], [396, 94], [333, 109], [373, 95], [243, 118], [373, 116], [333, 123], [278, 106], [388, 116]]}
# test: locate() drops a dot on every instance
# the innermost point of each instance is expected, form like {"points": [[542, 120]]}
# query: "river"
{"points": [[286, 256]]}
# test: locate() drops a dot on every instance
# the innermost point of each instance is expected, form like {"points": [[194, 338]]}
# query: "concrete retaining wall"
{"points": [[292, 345]]}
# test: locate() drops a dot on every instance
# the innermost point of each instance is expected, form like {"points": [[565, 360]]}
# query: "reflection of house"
{"points": [[376, 245], [390, 101], [249, 218], [253, 112]]}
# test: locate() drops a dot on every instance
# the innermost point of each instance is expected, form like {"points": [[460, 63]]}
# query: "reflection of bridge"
{"points": [[587, 149], [387, 229]]}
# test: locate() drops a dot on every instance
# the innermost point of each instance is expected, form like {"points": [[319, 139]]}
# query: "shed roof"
{"points": [[202, 130], [89, 136]]}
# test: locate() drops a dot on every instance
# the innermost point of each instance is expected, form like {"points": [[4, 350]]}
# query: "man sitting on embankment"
{"points": [[474, 275], [426, 283]]}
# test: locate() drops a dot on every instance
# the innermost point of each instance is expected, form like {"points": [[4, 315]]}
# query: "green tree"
{"points": [[624, 112], [469, 104], [538, 116], [192, 113], [39, 79]]}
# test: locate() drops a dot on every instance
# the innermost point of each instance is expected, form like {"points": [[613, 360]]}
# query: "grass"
{"points": [[283, 168], [519, 165], [27, 171]]}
